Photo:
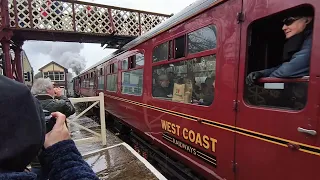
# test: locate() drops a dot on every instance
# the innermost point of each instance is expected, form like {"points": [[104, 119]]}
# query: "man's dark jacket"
{"points": [[61, 104]]}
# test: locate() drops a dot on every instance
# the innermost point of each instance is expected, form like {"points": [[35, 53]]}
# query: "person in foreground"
{"points": [[52, 100], [23, 136], [297, 27]]}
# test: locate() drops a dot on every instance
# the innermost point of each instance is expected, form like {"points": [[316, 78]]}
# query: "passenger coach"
{"points": [[181, 89]]}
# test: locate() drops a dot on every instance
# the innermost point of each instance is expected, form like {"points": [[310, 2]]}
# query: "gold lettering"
{"points": [[178, 129], [205, 142], [173, 129], [163, 123], [213, 146], [168, 126], [192, 136], [198, 139], [184, 133]]}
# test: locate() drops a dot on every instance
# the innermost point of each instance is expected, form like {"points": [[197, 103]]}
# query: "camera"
{"points": [[50, 121]]}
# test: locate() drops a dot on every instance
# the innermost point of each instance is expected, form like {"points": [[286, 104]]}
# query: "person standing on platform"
{"points": [[52, 100]]}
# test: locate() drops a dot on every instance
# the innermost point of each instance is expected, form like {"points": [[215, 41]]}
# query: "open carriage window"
{"points": [[180, 46], [160, 52], [278, 59]]}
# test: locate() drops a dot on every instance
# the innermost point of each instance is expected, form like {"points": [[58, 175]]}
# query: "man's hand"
{"points": [[58, 91], [253, 77], [59, 131]]}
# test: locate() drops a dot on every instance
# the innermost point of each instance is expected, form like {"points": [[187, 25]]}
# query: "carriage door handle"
{"points": [[307, 131]]}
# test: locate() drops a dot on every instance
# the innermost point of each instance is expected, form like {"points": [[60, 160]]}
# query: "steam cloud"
{"points": [[65, 54]]}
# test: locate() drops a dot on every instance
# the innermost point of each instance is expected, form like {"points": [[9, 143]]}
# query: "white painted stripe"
{"points": [[145, 162], [99, 150]]}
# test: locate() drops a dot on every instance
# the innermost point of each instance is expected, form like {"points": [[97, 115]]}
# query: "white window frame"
{"points": [[54, 73]]}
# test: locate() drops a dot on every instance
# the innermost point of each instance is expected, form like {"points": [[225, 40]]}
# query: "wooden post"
{"points": [[102, 120]]}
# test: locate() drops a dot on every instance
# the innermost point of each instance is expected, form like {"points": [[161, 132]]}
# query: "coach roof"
{"points": [[188, 12]]}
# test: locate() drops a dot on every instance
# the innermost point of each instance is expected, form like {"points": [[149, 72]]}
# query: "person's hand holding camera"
{"points": [[59, 131]]}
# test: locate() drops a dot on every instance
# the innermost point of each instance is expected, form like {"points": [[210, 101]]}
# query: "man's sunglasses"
{"points": [[288, 21]]}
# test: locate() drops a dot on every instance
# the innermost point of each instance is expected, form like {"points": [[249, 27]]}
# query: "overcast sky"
{"points": [[93, 53]]}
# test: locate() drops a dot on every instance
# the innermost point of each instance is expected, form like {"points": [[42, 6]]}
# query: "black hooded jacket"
{"points": [[22, 126], [22, 134]]}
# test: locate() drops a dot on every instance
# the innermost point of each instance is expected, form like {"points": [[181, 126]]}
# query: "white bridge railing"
{"points": [[97, 100]]}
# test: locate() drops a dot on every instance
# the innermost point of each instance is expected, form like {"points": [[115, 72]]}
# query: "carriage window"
{"points": [[115, 67], [139, 58], [101, 82], [267, 51], [91, 83], [160, 52], [125, 64], [132, 82], [179, 47], [82, 81], [191, 81], [132, 62], [202, 39], [86, 83], [112, 81]]}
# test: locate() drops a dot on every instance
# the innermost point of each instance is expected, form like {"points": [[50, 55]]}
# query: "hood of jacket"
{"points": [[22, 126]]}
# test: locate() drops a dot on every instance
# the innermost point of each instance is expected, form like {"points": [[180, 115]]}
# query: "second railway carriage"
{"points": [[181, 89]]}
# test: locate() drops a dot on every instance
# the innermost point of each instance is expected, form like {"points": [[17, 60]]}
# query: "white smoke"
{"points": [[65, 54]]}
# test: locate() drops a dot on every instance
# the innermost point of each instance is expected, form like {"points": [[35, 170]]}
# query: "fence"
{"points": [[97, 100], [77, 16]]}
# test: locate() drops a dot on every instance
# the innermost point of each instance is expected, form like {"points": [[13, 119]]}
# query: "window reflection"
{"points": [[202, 39], [132, 82], [190, 81], [112, 82]]}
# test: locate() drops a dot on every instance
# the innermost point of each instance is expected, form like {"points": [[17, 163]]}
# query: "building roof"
{"points": [[52, 62], [187, 13]]}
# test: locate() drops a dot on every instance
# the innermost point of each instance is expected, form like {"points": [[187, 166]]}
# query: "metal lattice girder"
{"points": [[83, 17]]}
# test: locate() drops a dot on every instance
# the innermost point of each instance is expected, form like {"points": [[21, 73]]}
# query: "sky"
{"points": [[92, 53]]}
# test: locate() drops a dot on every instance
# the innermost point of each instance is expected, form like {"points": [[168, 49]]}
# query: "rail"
{"points": [[76, 16], [282, 80], [279, 83], [97, 100]]}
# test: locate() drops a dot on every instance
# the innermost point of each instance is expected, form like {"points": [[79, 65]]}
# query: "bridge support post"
{"points": [[18, 60], [7, 58]]}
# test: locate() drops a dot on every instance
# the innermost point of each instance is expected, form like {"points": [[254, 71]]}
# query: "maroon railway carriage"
{"points": [[268, 131]]}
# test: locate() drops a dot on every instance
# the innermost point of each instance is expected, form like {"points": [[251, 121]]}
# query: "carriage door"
{"points": [[276, 122]]}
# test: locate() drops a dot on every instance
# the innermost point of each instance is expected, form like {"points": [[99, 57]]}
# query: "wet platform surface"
{"points": [[116, 160]]}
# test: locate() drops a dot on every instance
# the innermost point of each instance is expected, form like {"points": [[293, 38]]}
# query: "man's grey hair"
{"points": [[41, 85]]}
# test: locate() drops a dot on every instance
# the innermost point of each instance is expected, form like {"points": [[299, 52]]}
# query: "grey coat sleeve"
{"points": [[298, 66]]}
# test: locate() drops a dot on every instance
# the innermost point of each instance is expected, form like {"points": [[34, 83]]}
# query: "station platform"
{"points": [[115, 161]]}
